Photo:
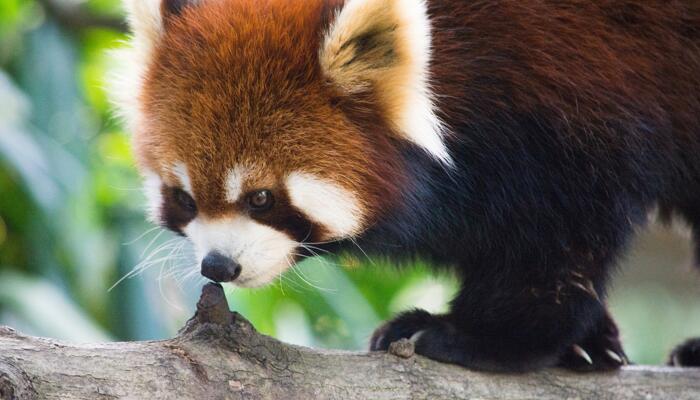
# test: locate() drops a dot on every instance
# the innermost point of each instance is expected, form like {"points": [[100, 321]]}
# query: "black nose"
{"points": [[220, 268]]}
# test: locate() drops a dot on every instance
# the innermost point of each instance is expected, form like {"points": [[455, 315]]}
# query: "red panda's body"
{"points": [[519, 142]]}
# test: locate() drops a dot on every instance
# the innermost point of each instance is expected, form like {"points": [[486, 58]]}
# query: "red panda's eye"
{"points": [[184, 200], [261, 200]]}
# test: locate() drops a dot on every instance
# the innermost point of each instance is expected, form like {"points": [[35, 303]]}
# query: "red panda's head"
{"points": [[261, 125]]}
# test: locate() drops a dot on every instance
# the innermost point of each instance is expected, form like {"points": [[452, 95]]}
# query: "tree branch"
{"points": [[218, 355], [74, 16]]}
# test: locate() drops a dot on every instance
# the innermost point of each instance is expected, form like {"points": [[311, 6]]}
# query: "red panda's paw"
{"points": [[600, 351], [687, 354], [432, 336], [407, 325], [438, 338], [590, 359]]}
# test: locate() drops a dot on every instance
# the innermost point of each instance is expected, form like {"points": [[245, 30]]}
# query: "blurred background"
{"points": [[72, 225]]}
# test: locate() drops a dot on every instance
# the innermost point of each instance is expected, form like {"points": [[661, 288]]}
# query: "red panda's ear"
{"points": [[384, 46], [174, 7], [147, 19]]}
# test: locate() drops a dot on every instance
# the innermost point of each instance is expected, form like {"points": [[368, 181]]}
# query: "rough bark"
{"points": [[218, 355]]}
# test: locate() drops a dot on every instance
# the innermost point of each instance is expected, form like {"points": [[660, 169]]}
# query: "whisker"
{"points": [[309, 247], [320, 243], [149, 261], [316, 286], [148, 246], [162, 294], [323, 260], [139, 237], [362, 250]]}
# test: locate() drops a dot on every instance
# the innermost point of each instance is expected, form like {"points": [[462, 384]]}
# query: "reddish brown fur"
{"points": [[525, 54], [207, 108]]}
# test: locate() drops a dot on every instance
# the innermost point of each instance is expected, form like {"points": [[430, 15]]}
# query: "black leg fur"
{"points": [[525, 309], [441, 339], [404, 326], [438, 338], [601, 350], [686, 354], [511, 339], [532, 249]]}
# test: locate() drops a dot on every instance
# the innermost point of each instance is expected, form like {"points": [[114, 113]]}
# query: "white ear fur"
{"points": [[145, 19], [386, 45], [126, 77]]}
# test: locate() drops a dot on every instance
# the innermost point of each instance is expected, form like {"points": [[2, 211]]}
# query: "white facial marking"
{"points": [[234, 183], [180, 171], [152, 185], [325, 203], [262, 252]]}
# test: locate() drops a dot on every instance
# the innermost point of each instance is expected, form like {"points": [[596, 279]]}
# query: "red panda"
{"points": [[520, 143]]}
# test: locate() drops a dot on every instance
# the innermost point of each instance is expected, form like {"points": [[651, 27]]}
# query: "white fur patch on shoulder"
{"points": [[234, 183], [324, 202], [125, 78], [387, 44], [152, 186]]}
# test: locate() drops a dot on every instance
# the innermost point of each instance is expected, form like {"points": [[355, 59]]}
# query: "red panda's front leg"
{"points": [[575, 332]]}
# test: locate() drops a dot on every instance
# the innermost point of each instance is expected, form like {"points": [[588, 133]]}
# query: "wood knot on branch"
{"points": [[403, 348], [212, 306], [212, 309], [7, 331], [213, 317]]}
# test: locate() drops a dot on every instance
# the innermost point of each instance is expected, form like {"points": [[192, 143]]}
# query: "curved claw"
{"points": [[614, 356], [582, 353]]}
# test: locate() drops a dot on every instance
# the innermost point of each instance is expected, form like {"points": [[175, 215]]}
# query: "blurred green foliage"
{"points": [[71, 224]]}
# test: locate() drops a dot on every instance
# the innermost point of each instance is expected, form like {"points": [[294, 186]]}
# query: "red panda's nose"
{"points": [[220, 268]]}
